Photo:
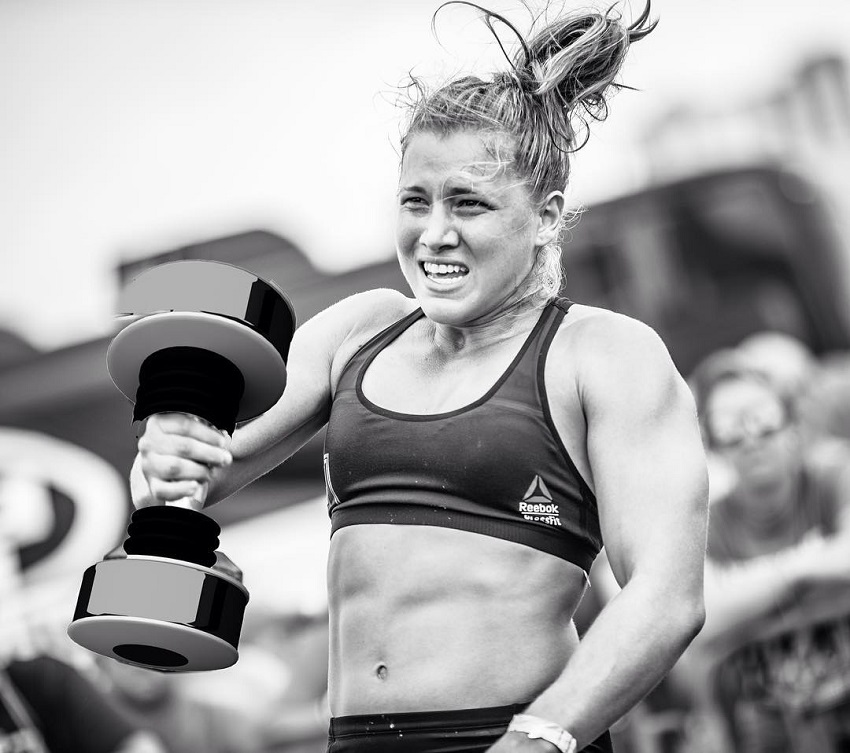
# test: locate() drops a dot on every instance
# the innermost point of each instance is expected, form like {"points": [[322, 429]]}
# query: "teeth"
{"points": [[443, 269]]}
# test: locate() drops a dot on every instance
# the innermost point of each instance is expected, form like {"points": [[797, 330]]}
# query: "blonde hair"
{"points": [[559, 79]]}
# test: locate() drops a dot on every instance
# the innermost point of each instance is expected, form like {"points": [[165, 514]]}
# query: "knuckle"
{"points": [[183, 446], [169, 422], [182, 423], [172, 468]]}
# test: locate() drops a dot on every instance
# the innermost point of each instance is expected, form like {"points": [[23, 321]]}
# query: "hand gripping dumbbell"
{"points": [[210, 340]]}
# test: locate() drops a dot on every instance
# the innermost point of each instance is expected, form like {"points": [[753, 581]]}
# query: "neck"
{"points": [[770, 504], [488, 330]]}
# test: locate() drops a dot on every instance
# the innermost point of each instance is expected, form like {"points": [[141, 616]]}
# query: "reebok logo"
{"points": [[528, 507], [538, 506]]}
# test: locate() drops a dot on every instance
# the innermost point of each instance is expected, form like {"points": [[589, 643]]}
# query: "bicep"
{"points": [[304, 406], [647, 459], [317, 350]]}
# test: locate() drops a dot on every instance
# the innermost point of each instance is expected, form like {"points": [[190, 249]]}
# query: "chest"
{"points": [[410, 377]]}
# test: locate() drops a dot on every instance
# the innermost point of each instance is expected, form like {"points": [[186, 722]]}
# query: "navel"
{"points": [[381, 671]]}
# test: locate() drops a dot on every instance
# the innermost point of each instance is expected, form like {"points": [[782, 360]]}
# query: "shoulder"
{"points": [[826, 465], [609, 351], [373, 310], [368, 313], [350, 319], [361, 311], [827, 457], [333, 336], [599, 334]]}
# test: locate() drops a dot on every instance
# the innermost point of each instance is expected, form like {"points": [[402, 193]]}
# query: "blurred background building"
{"points": [[716, 205]]}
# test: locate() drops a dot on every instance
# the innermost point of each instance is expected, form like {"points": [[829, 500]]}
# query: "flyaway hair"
{"points": [[532, 114], [559, 77]]}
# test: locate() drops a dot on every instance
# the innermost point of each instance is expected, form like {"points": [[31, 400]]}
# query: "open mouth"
{"points": [[444, 272]]}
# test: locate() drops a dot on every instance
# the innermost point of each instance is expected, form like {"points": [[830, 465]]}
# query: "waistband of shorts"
{"points": [[423, 721]]}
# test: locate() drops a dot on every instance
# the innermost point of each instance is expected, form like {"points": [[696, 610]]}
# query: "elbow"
{"points": [[690, 620], [696, 620]]}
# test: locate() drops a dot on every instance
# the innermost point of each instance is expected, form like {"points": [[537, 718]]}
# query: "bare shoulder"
{"points": [[373, 310], [353, 315], [599, 333], [615, 354], [337, 332]]}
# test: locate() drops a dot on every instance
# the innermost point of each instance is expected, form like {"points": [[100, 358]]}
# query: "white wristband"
{"points": [[539, 729]]}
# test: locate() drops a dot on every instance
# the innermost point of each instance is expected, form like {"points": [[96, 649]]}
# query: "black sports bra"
{"points": [[495, 467]]}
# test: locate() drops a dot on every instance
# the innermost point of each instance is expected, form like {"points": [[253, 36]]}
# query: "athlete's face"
{"points": [[467, 233]]}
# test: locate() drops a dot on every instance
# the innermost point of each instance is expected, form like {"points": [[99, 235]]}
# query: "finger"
{"points": [[184, 424], [171, 491], [173, 468], [188, 448]]}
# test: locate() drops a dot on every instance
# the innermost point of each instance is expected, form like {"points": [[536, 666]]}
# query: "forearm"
{"points": [[628, 649], [255, 454], [736, 595], [222, 483], [254, 450]]}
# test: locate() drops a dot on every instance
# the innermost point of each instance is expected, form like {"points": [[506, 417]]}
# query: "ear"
{"points": [[550, 216]]}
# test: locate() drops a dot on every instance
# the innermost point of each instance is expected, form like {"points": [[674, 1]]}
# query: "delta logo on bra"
{"points": [[537, 505]]}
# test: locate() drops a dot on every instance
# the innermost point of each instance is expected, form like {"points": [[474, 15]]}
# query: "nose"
{"points": [[440, 231]]}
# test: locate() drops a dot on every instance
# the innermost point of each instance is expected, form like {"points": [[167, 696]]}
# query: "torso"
{"points": [[428, 618], [811, 507]]}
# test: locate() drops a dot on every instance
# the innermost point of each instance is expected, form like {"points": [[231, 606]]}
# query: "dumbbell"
{"points": [[210, 340]]}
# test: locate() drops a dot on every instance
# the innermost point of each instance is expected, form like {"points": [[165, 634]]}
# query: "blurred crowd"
{"points": [[56, 698], [769, 673]]}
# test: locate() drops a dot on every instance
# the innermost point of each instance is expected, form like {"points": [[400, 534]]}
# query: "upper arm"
{"points": [[315, 353], [645, 453]]}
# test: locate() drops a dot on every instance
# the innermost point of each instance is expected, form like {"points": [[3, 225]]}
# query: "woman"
{"points": [[483, 439], [778, 550]]}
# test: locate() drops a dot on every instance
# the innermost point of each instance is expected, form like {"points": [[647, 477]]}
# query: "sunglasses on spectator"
{"points": [[749, 426]]}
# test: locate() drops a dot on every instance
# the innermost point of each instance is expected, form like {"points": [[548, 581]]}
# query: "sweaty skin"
{"points": [[419, 614], [425, 618]]}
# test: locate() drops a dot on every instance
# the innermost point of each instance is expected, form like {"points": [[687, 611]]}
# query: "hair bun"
{"points": [[576, 59]]}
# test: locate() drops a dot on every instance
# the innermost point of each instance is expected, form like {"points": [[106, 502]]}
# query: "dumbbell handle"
{"points": [[195, 502]]}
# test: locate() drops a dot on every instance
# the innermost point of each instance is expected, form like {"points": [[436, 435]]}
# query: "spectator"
{"points": [[784, 359], [47, 706], [297, 721], [154, 702], [827, 405], [782, 528]]}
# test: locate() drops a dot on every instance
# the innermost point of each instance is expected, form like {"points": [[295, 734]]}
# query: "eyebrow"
{"points": [[457, 190]]}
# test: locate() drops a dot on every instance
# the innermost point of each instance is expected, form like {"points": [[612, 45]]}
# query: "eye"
{"points": [[472, 204], [413, 202]]}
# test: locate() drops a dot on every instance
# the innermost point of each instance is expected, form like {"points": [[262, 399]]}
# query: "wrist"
{"points": [[519, 741], [536, 728]]}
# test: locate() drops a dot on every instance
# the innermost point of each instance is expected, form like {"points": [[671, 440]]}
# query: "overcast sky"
{"points": [[128, 127]]}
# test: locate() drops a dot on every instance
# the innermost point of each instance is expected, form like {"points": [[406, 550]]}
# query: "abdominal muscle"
{"points": [[424, 618]]}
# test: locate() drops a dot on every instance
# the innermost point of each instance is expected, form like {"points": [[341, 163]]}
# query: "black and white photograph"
{"points": [[429, 376]]}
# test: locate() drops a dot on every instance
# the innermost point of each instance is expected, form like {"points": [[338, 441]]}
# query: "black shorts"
{"points": [[463, 731]]}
